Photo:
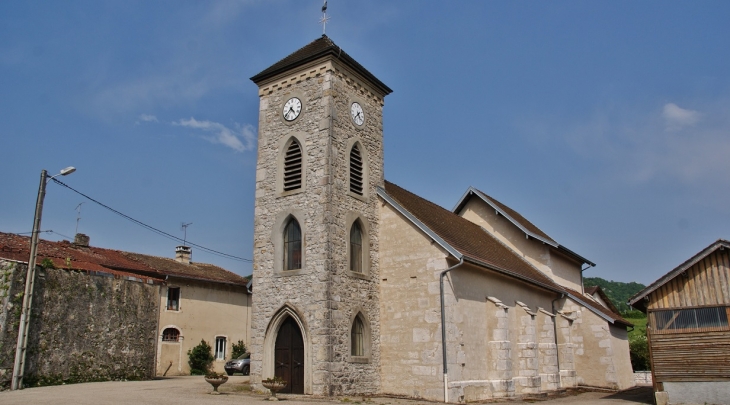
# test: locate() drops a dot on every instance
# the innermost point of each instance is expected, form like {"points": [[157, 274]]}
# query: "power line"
{"points": [[151, 228]]}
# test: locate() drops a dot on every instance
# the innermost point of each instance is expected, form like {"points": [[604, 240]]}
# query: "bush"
{"points": [[200, 358], [238, 349], [639, 348]]}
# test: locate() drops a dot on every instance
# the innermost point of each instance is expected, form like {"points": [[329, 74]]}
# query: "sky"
{"points": [[606, 124]]}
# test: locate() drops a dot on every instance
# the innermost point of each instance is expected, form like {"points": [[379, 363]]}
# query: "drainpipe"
{"points": [[555, 331], [443, 327]]}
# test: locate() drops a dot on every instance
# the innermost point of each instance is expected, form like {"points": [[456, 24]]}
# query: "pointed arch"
{"points": [[291, 165], [357, 169], [358, 254], [272, 330], [360, 337], [284, 238]]}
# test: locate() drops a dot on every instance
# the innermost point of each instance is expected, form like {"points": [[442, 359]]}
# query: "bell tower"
{"points": [[316, 320]]}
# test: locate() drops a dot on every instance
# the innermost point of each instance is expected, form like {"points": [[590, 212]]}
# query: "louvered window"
{"points": [[355, 170], [293, 167]]}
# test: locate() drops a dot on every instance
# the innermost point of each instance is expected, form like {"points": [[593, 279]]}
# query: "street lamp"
{"points": [[20, 348]]}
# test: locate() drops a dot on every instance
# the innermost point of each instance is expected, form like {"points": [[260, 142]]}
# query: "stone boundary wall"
{"points": [[642, 378], [83, 327]]}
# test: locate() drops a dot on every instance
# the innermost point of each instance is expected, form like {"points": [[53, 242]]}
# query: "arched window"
{"points": [[170, 335], [357, 338], [356, 172], [356, 247], [293, 166], [292, 245]]}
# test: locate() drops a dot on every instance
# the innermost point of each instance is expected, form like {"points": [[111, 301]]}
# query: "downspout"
{"points": [[443, 327], [555, 330], [582, 287]]}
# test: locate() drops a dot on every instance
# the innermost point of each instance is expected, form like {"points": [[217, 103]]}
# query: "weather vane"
{"points": [[324, 18]]}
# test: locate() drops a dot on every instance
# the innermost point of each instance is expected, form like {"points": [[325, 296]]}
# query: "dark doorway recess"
{"points": [[289, 357]]}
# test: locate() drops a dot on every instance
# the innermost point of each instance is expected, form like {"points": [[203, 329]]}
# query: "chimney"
{"points": [[81, 240], [183, 254]]}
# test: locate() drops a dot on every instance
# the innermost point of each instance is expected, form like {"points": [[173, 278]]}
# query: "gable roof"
{"points": [[519, 221], [598, 290], [66, 255], [319, 48], [465, 239], [718, 244]]}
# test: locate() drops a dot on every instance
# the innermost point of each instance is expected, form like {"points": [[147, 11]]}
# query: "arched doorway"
{"points": [[289, 356]]}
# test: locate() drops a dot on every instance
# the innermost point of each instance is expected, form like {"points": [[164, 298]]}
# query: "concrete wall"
{"points": [[83, 327], [206, 311], [556, 266], [697, 392]]}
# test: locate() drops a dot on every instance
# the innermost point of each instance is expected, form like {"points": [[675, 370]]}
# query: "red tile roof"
{"points": [[66, 255], [596, 307]]}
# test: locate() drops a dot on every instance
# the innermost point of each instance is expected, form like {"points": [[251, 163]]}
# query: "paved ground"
{"points": [[194, 391]]}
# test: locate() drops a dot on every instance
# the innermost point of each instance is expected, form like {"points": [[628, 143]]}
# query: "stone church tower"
{"points": [[316, 320]]}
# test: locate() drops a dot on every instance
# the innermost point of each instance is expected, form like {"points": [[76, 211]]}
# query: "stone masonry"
{"points": [[324, 294]]}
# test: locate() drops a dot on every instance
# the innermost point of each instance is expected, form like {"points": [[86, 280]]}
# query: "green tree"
{"points": [[238, 349], [200, 358]]}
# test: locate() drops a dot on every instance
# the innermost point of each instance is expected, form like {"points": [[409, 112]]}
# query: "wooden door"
{"points": [[289, 357]]}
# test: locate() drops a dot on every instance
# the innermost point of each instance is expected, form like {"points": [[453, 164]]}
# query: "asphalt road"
{"points": [[194, 391]]}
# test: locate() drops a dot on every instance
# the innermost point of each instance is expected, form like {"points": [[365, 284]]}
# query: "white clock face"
{"points": [[358, 116], [292, 108]]}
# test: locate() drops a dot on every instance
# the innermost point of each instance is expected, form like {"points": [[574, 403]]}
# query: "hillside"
{"points": [[619, 292]]}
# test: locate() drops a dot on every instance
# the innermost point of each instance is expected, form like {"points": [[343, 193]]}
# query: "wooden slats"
{"points": [[293, 167], [691, 356], [356, 171]]}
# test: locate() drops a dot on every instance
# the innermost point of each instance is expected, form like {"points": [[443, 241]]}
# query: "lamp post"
{"points": [[20, 349]]}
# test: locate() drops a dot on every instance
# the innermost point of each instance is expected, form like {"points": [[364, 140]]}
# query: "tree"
{"points": [[200, 358], [238, 349]]}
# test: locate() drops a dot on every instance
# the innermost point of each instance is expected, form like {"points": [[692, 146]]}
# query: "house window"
{"points": [[357, 338], [170, 335], [173, 298], [292, 245], [690, 319], [356, 172], [356, 247], [293, 166], [220, 348]]}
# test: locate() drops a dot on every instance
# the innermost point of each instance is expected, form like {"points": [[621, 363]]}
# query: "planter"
{"points": [[274, 387], [216, 382]]}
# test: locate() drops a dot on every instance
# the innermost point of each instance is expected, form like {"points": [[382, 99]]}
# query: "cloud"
{"points": [[677, 117], [147, 118], [240, 139]]}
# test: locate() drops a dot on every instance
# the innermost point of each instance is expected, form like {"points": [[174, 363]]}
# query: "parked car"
{"points": [[240, 365]]}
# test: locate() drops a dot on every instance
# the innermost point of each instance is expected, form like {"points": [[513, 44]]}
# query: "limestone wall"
{"points": [[83, 327], [206, 311]]}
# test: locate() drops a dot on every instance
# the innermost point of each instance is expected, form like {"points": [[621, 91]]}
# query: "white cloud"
{"points": [[147, 118], [240, 139], [677, 117]]}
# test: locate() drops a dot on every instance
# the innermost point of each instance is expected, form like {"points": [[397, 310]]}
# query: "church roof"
{"points": [[96, 260], [465, 239], [530, 229], [319, 48]]}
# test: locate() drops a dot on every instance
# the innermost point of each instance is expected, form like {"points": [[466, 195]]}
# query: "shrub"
{"points": [[639, 349], [200, 358], [238, 349]]}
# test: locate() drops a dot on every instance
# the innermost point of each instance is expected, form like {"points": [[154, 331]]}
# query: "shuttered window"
{"points": [[293, 167], [356, 184]]}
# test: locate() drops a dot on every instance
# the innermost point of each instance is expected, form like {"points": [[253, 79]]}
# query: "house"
{"points": [[363, 287], [114, 321], [687, 329]]}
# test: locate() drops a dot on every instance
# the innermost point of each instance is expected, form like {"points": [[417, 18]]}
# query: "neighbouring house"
{"points": [[688, 331], [114, 322], [348, 267]]}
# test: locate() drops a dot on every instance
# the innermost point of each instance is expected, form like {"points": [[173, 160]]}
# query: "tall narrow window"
{"points": [[357, 340], [356, 247], [293, 167], [355, 170], [220, 348], [292, 246], [173, 298]]}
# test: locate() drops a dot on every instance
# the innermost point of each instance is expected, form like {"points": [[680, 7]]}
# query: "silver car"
{"points": [[240, 365]]}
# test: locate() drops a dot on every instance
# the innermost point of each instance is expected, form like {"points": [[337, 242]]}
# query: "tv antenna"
{"points": [[324, 18], [78, 217], [184, 227]]}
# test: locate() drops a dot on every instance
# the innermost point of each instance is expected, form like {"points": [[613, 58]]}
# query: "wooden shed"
{"points": [[687, 328]]}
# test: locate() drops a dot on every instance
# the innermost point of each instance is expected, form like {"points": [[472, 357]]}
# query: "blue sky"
{"points": [[606, 124]]}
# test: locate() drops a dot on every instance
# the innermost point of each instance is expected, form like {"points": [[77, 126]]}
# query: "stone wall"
{"points": [[83, 327]]}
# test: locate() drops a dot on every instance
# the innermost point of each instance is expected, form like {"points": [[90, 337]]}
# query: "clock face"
{"points": [[358, 116], [292, 108]]}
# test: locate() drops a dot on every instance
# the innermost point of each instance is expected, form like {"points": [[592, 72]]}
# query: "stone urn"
{"points": [[216, 380], [274, 385]]}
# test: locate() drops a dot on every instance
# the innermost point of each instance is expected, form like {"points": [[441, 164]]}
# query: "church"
{"points": [[362, 287]]}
